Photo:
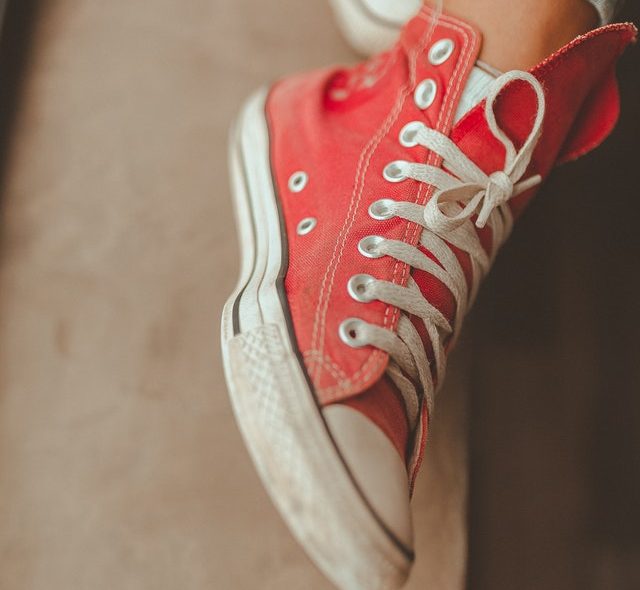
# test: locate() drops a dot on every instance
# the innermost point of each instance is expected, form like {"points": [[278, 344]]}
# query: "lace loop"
{"points": [[480, 193]]}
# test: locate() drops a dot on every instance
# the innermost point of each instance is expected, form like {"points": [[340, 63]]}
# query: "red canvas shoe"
{"points": [[370, 203]]}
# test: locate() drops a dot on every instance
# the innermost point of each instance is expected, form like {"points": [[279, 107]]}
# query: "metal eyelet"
{"points": [[306, 225], [368, 246], [425, 93], [339, 94], [409, 133], [298, 181], [369, 81], [441, 51], [396, 171], [381, 209], [349, 332], [357, 287]]}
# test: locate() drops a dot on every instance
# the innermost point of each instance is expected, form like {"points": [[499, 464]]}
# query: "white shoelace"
{"points": [[462, 190]]}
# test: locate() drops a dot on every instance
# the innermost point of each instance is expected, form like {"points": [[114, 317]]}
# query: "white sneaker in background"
{"points": [[371, 26]]}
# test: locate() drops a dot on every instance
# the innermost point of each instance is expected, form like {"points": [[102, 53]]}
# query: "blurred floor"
{"points": [[120, 464]]}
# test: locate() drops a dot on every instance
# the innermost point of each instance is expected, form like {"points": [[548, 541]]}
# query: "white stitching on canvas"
{"points": [[374, 357], [321, 309], [313, 357], [390, 315]]}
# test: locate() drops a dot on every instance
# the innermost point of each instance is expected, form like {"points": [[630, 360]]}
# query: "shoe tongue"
{"points": [[476, 89]]}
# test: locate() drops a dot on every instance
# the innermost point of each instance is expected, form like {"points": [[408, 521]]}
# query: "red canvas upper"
{"points": [[341, 127]]}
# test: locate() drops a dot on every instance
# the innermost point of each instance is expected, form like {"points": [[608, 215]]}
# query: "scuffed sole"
{"points": [[274, 406]]}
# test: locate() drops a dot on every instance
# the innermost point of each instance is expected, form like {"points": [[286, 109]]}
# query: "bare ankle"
{"points": [[519, 34]]}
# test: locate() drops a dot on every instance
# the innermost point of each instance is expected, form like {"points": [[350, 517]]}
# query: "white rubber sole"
{"points": [[274, 406], [372, 26]]}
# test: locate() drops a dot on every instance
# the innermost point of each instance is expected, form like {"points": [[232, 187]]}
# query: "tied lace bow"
{"points": [[463, 189]]}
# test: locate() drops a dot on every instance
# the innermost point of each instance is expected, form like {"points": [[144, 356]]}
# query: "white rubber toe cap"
{"points": [[377, 468]]}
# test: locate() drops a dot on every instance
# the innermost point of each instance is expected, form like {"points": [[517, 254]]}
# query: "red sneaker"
{"points": [[371, 201]]}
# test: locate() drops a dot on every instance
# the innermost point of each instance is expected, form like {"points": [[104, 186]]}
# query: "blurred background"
{"points": [[120, 464]]}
